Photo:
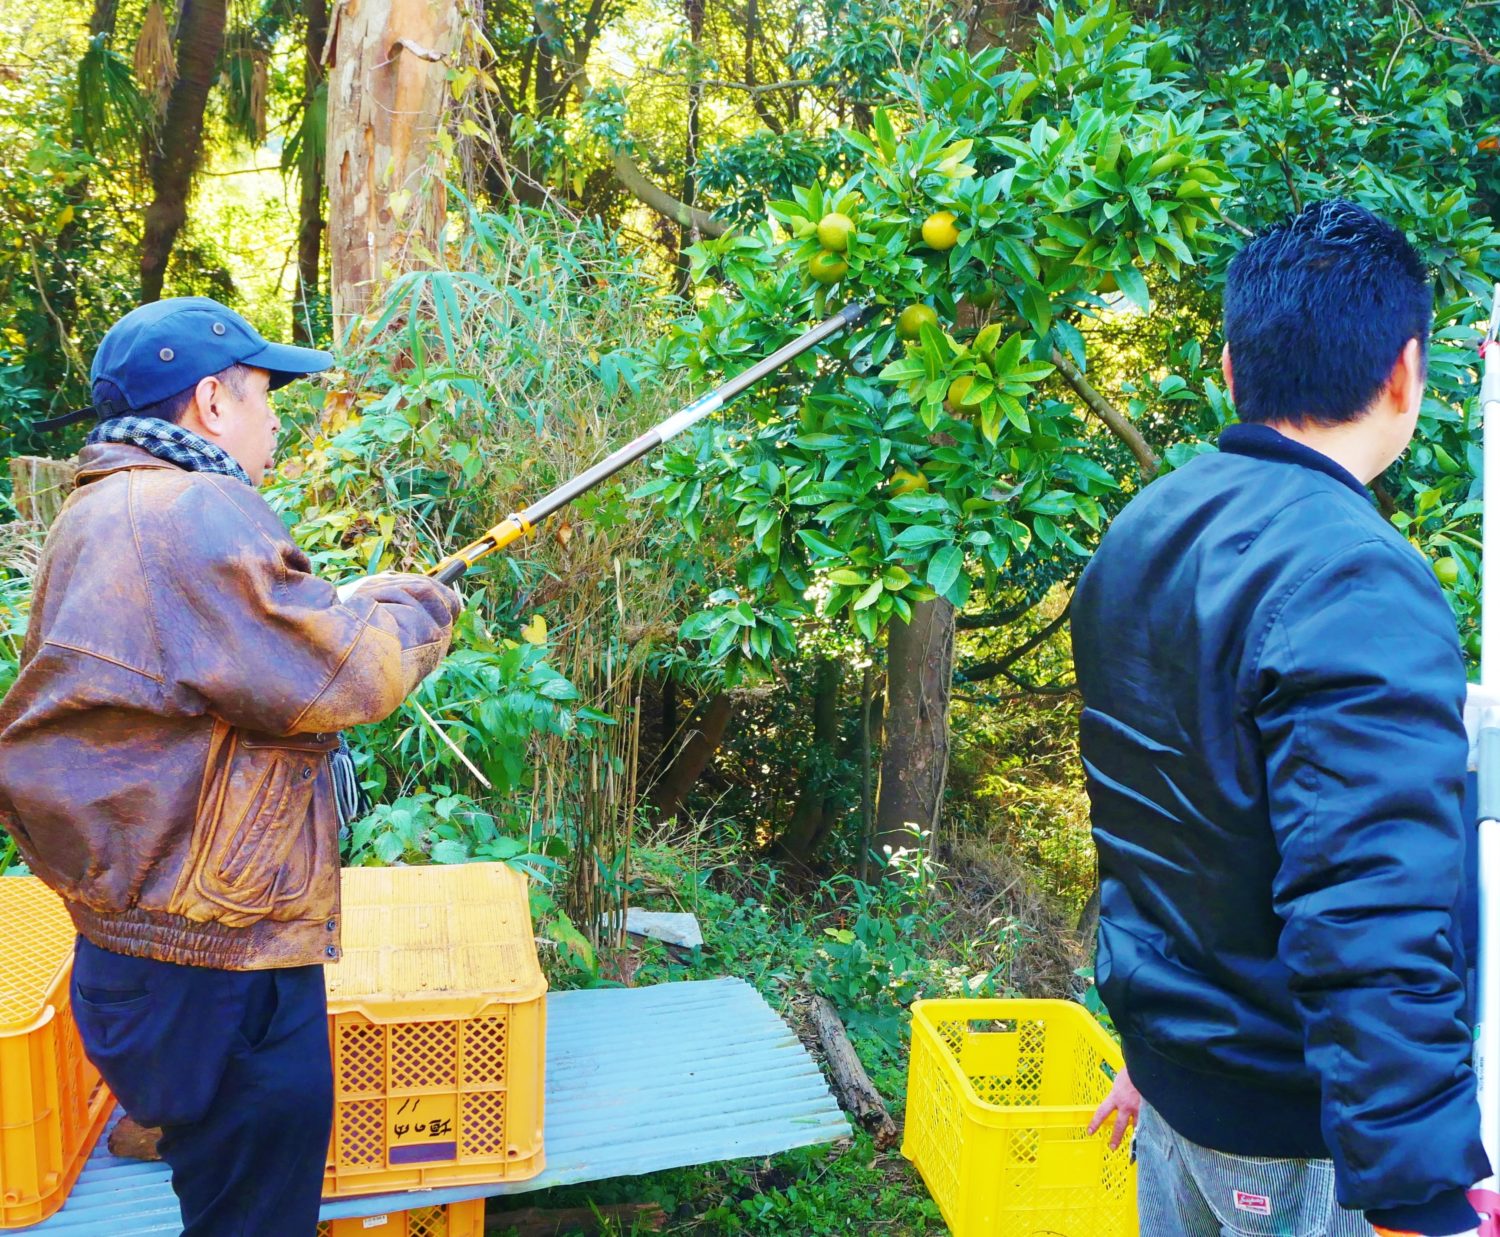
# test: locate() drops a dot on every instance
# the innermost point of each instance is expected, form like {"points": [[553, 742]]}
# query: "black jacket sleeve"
{"points": [[1360, 689]]}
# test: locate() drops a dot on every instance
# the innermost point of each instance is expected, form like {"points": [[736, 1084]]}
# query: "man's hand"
{"points": [[1125, 1102]]}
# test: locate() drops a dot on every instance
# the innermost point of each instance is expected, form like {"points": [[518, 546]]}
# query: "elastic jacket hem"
{"points": [[1448, 1212], [165, 937], [1238, 1116]]}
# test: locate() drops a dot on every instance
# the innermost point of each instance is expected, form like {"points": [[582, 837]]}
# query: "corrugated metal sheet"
{"points": [[638, 1080]]}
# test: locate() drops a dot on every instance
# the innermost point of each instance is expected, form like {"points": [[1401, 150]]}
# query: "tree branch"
{"points": [[1117, 421], [982, 670], [626, 170], [750, 88], [1472, 43], [629, 174], [993, 618]]}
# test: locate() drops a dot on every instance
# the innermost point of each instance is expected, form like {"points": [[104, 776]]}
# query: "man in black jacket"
{"points": [[1274, 746]]}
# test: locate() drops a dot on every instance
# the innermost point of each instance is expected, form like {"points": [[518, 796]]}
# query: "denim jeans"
{"points": [[1189, 1191]]}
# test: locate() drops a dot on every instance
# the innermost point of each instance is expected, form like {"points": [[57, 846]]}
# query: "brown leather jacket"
{"points": [[164, 750]]}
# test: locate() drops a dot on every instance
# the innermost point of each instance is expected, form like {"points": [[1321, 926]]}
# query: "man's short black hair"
{"points": [[171, 408], [1316, 312]]}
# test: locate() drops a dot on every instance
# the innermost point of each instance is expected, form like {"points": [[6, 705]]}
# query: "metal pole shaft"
{"points": [[516, 526], [1487, 965], [1489, 579]]}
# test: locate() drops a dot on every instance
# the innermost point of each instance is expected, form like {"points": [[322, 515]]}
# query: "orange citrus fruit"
{"points": [[827, 267], [909, 324], [938, 230], [834, 231]]}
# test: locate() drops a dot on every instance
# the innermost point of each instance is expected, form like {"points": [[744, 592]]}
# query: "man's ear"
{"points": [[1407, 379], [1228, 371], [203, 415]]}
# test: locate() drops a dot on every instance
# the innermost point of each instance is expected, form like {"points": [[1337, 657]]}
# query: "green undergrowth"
{"points": [[924, 931]]}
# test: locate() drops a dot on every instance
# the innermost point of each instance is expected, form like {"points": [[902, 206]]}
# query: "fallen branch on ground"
{"points": [[855, 1090]]}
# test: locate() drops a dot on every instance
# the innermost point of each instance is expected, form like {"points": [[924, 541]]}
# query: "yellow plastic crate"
{"points": [[999, 1096], [454, 1220], [52, 1104], [437, 1021]]}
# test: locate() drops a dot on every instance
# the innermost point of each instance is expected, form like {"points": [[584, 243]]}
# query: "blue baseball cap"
{"points": [[165, 347]]}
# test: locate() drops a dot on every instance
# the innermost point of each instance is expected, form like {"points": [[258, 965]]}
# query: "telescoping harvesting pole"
{"points": [[1486, 698], [520, 523]]}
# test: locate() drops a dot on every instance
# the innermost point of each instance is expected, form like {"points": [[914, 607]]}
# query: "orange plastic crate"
{"points": [[52, 1104], [454, 1220], [437, 1022]]}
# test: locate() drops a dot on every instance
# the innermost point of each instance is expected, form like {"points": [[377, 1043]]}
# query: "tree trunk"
{"points": [[693, 10], [310, 220], [866, 770], [102, 19], [1003, 23], [693, 757], [914, 765], [758, 100], [812, 817], [174, 157], [387, 83]]}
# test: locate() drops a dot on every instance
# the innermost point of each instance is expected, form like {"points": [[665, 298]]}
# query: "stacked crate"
{"points": [[453, 1220], [52, 1103], [437, 1025]]}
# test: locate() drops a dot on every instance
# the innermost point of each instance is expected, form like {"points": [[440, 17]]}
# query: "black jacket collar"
{"points": [[1263, 443]]}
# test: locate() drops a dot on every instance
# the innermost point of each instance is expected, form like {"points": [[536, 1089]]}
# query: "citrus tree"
{"points": [[944, 451]]}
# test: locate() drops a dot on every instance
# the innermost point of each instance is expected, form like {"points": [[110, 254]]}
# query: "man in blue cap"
{"points": [[169, 759]]}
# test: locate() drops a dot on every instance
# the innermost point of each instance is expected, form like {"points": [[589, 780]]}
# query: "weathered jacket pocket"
{"points": [[254, 845]]}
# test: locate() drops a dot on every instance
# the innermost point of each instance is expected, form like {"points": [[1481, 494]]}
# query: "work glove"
{"points": [[350, 587]]}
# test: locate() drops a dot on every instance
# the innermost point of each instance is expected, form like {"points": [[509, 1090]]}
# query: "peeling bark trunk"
{"points": [[914, 765], [310, 222], [693, 757], [174, 158], [387, 83]]}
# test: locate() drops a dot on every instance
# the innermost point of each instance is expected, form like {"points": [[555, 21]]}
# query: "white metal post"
{"points": [[1484, 700]]}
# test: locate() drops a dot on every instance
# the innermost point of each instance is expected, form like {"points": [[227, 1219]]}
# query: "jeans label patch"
{"points": [[1255, 1204]]}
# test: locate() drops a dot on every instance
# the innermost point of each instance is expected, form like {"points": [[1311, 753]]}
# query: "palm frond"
{"points": [[307, 145], [155, 59], [247, 73], [109, 109]]}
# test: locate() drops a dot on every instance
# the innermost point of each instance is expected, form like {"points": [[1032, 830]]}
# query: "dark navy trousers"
{"points": [[234, 1066]]}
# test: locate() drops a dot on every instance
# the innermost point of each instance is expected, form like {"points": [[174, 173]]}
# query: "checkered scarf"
{"points": [[169, 442], [184, 448]]}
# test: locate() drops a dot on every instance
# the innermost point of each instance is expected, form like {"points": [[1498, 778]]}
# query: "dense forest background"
{"points": [[805, 673]]}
